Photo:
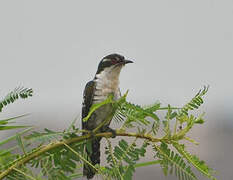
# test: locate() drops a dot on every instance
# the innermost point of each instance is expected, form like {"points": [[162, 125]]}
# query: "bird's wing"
{"points": [[94, 155], [87, 100]]}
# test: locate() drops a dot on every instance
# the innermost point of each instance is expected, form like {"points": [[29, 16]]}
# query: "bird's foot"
{"points": [[91, 133], [113, 131]]}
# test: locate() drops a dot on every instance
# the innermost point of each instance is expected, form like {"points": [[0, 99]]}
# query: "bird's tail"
{"points": [[93, 156]]}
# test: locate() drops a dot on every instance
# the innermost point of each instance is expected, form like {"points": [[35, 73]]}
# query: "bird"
{"points": [[105, 83]]}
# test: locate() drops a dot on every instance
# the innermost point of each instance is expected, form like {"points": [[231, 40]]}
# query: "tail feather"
{"points": [[93, 156]]}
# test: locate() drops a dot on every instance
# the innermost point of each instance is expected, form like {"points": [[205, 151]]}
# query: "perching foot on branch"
{"points": [[113, 131]]}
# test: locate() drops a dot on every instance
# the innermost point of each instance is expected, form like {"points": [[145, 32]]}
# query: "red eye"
{"points": [[114, 61]]}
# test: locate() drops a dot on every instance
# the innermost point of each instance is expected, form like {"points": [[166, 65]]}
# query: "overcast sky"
{"points": [[178, 47]]}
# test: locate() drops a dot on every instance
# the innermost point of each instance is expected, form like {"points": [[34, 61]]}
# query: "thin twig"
{"points": [[23, 173]]}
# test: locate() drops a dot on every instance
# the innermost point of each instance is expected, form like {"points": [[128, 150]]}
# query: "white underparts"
{"points": [[107, 82]]}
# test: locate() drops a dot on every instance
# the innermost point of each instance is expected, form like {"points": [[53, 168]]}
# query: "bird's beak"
{"points": [[127, 61]]}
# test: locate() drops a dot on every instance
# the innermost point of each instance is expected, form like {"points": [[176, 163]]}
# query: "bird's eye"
{"points": [[114, 61]]}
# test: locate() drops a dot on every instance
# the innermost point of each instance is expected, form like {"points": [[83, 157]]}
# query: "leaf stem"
{"points": [[26, 175], [175, 127], [149, 163]]}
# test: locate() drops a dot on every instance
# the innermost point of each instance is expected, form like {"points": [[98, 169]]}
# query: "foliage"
{"points": [[14, 95], [4, 123], [60, 155], [10, 98], [169, 158], [123, 153]]}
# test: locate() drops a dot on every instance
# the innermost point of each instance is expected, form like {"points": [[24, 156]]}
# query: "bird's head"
{"points": [[112, 62]]}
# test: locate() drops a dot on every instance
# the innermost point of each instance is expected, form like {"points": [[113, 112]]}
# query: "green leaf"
{"points": [[169, 159], [134, 114], [75, 175], [20, 143], [194, 160], [94, 107], [144, 164], [7, 121], [11, 138], [4, 152], [152, 108], [128, 174], [15, 94], [72, 125], [11, 127], [43, 137], [194, 103]]}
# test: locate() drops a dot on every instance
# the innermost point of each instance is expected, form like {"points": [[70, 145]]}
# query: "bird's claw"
{"points": [[92, 134], [112, 131]]}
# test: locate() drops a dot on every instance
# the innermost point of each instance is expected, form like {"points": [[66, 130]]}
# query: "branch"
{"points": [[53, 145]]}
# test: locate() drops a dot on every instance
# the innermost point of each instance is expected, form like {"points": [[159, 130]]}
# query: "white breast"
{"points": [[107, 82]]}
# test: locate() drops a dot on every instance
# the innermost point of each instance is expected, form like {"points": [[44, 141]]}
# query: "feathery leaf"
{"points": [[194, 160], [14, 95], [171, 161]]}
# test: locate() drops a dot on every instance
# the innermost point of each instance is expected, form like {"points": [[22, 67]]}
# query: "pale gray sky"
{"points": [[178, 46]]}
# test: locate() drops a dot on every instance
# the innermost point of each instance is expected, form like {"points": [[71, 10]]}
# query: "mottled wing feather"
{"points": [[94, 154], [87, 100]]}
